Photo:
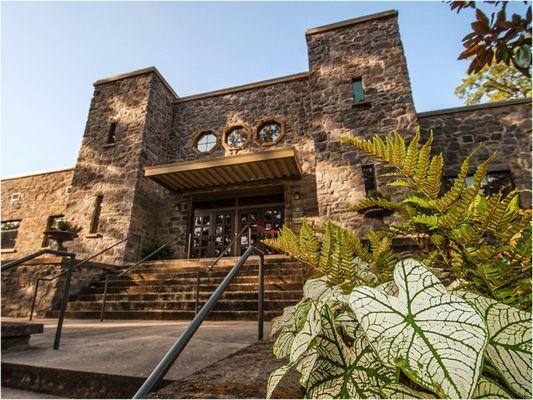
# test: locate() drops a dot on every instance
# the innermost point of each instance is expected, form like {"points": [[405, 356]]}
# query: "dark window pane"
{"points": [[95, 221], [358, 93], [494, 182], [369, 176], [9, 234], [111, 133]]}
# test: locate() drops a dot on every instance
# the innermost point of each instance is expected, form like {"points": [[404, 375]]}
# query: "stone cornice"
{"points": [[350, 22], [472, 108], [37, 174], [248, 86], [149, 70]]}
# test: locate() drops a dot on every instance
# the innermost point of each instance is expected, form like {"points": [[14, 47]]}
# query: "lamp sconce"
{"points": [[296, 195]]}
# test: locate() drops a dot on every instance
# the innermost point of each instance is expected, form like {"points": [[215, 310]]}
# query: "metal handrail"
{"points": [[83, 262], [168, 360], [102, 310], [66, 285], [196, 307]]}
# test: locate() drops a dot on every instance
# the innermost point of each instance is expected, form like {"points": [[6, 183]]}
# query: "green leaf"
{"points": [[345, 372], [509, 346], [435, 337], [275, 378]]}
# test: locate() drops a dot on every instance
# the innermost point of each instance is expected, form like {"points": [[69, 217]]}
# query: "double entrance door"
{"points": [[214, 229]]}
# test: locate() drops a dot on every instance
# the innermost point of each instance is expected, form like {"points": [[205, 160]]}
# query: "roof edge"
{"points": [[473, 107], [350, 22], [248, 86], [37, 174], [143, 71]]}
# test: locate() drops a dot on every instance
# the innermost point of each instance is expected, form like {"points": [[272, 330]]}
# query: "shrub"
{"points": [[65, 226], [165, 253], [373, 326]]}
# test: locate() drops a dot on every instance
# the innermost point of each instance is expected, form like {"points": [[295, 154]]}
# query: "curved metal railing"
{"points": [[168, 360], [208, 270], [126, 271], [81, 263]]}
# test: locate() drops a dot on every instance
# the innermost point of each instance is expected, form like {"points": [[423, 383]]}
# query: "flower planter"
{"points": [[60, 237], [375, 212]]}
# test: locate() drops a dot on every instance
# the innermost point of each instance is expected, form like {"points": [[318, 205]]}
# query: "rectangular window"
{"points": [[111, 133], [51, 222], [14, 197], [358, 93], [10, 230], [494, 182], [369, 175], [96, 214]]}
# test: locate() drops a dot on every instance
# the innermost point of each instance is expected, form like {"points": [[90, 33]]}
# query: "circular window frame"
{"points": [[267, 121], [197, 137], [229, 128]]}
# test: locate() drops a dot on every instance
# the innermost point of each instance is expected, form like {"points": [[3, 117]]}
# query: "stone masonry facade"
{"points": [[151, 125]]}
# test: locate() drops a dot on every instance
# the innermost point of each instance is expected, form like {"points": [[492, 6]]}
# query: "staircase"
{"points": [[167, 290]]}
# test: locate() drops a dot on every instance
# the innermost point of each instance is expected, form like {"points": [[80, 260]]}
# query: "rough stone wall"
{"points": [[18, 286], [370, 49], [503, 127], [41, 196], [287, 101], [116, 171]]}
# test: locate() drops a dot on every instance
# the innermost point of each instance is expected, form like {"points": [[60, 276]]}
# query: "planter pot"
{"points": [[375, 212], [60, 237]]}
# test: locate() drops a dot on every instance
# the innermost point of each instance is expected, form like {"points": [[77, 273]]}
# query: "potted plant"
{"points": [[62, 231], [375, 211]]}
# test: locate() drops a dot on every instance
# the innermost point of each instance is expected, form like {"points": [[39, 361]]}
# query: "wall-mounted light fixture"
{"points": [[296, 195]]}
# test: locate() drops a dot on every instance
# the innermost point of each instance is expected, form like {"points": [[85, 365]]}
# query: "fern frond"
{"points": [[433, 180], [411, 157], [309, 246], [422, 164]]}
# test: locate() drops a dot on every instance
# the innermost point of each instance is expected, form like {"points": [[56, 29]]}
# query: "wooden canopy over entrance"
{"points": [[266, 165]]}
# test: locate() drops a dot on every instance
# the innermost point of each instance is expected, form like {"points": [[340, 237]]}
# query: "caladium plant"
{"points": [[408, 338]]}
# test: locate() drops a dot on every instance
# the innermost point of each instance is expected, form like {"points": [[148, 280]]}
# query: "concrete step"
{"points": [[153, 281], [167, 315], [168, 288], [223, 305], [191, 295]]}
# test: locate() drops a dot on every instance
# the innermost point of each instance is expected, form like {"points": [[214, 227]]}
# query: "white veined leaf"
{"points": [[399, 391], [389, 288], [488, 389], [320, 290], [283, 344], [283, 320], [304, 337], [340, 371], [275, 377], [347, 322], [509, 346], [306, 364], [436, 338]]}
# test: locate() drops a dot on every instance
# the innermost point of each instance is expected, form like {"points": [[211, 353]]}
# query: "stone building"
{"points": [[196, 170]]}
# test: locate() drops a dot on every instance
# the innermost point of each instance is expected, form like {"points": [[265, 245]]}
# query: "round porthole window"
{"points": [[269, 132], [236, 137], [205, 142]]}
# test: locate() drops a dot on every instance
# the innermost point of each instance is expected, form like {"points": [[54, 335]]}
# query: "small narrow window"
{"points": [[68, 190], [10, 230], [50, 223], [358, 93], [369, 175], [111, 133], [14, 197], [95, 220], [468, 139]]}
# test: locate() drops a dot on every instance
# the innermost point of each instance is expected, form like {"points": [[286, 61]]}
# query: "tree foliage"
{"points": [[499, 38], [495, 83]]}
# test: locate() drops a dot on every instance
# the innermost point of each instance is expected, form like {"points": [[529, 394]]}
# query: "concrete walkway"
{"points": [[132, 348]]}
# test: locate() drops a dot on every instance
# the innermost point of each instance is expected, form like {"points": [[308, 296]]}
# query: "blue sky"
{"points": [[53, 52]]}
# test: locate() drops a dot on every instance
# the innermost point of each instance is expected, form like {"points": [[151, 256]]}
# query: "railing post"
{"points": [[189, 243], [102, 310], [34, 298], [261, 297], [139, 238], [64, 302], [249, 237]]}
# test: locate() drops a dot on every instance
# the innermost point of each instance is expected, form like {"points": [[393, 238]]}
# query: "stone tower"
{"points": [[368, 49], [128, 128]]}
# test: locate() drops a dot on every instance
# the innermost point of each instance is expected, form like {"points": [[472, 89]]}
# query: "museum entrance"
{"points": [[216, 222]]}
